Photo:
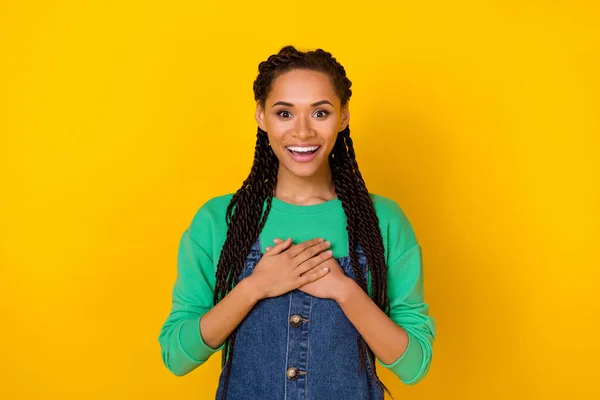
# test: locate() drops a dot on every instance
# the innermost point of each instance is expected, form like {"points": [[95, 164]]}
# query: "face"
{"points": [[302, 117]]}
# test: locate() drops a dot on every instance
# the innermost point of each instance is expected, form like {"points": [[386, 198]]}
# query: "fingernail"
{"points": [[328, 243], [325, 269], [329, 252], [276, 240], [268, 248]]}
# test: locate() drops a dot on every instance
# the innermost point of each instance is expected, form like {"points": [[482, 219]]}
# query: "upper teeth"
{"points": [[303, 149]]}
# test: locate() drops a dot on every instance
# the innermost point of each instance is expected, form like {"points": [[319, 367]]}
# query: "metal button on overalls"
{"points": [[292, 373], [295, 320]]}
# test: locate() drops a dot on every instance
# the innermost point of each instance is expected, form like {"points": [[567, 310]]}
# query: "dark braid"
{"points": [[244, 227], [243, 214]]}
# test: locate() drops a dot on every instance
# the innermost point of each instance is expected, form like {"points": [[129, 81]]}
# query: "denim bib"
{"points": [[298, 347]]}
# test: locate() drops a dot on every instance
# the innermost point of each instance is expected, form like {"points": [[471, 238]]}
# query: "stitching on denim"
{"points": [[287, 347], [307, 349]]}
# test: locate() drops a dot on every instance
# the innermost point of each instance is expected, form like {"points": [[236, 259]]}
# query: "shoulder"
{"points": [[396, 228], [214, 206], [217, 204], [386, 208], [209, 219]]}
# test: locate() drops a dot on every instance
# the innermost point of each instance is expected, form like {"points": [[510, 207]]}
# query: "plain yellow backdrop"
{"points": [[119, 119]]}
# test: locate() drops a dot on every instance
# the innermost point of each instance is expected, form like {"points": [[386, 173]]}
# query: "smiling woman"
{"points": [[348, 287], [306, 128]]}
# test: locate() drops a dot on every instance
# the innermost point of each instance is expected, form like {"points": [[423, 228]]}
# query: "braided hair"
{"points": [[243, 215]]}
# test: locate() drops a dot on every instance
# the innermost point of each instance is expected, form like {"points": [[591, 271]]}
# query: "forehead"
{"points": [[301, 86]]}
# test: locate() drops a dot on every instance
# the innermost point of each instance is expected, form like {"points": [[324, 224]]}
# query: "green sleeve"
{"points": [[182, 346], [407, 305]]}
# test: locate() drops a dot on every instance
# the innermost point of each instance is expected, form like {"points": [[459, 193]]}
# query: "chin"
{"points": [[304, 174], [305, 171]]}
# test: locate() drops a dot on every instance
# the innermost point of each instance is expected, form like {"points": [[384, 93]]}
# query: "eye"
{"points": [[284, 114], [322, 113]]}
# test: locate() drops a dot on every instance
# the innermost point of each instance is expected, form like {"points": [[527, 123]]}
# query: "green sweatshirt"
{"points": [[183, 348]]}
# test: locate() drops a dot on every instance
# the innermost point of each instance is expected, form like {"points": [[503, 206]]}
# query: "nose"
{"points": [[303, 129]]}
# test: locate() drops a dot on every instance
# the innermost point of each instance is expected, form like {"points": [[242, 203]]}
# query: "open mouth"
{"points": [[301, 154]]}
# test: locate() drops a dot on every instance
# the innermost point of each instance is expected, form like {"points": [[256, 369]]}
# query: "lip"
{"points": [[303, 158]]}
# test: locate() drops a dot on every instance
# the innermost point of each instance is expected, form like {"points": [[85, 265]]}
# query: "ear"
{"points": [[259, 116], [345, 117]]}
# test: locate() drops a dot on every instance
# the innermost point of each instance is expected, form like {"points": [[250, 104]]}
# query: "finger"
{"points": [[314, 262], [308, 278], [305, 245], [277, 241], [311, 252], [279, 247]]}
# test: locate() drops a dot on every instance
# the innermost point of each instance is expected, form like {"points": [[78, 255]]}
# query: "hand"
{"points": [[283, 268], [331, 286]]}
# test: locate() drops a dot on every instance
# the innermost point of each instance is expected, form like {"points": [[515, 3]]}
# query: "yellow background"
{"points": [[118, 119]]}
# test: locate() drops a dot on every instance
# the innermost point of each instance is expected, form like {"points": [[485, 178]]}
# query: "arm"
{"points": [[218, 323], [403, 341], [384, 337], [194, 328]]}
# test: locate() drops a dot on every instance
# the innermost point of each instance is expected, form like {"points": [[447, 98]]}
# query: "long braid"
{"points": [[244, 225], [363, 229], [243, 215]]}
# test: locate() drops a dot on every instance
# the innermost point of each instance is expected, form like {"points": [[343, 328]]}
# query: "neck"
{"points": [[303, 190]]}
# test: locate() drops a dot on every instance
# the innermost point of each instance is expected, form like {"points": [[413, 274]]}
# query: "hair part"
{"points": [[244, 216]]}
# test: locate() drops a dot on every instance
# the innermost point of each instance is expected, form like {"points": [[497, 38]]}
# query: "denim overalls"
{"points": [[298, 347]]}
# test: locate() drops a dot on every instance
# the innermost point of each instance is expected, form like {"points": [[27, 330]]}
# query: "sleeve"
{"points": [[182, 346], [408, 308]]}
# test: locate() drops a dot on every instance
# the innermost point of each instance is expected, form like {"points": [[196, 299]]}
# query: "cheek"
{"points": [[275, 140], [274, 122], [332, 139]]}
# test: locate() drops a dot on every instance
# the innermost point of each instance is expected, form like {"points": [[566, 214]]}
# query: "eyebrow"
{"points": [[318, 103]]}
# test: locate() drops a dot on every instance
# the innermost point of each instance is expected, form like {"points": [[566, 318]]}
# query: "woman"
{"points": [[302, 276]]}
